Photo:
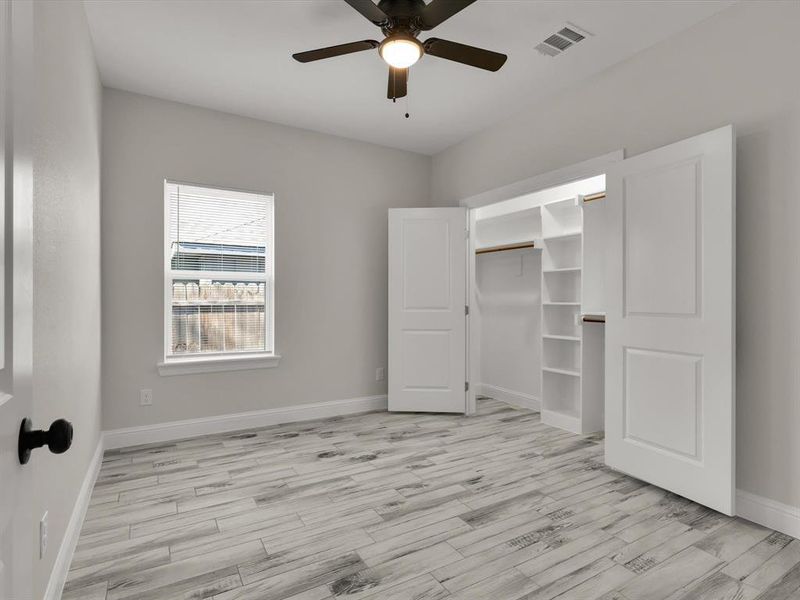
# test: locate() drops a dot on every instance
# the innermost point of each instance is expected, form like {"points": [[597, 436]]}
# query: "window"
{"points": [[219, 283]]}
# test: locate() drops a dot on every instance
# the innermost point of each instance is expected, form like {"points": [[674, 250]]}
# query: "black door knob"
{"points": [[58, 438]]}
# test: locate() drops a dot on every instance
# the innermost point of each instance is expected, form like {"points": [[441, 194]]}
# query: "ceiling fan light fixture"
{"points": [[400, 51]]}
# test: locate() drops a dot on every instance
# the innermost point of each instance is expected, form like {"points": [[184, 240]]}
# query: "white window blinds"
{"points": [[218, 271]]}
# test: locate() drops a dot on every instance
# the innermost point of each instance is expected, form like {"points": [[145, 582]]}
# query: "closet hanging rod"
{"points": [[593, 318], [504, 248], [597, 196]]}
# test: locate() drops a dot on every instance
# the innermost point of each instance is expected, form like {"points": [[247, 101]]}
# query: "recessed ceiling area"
{"points": [[235, 56]]}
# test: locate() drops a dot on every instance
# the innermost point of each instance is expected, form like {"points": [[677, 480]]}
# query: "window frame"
{"points": [[179, 364]]}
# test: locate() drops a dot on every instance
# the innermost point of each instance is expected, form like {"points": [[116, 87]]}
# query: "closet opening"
{"points": [[608, 314], [537, 307]]}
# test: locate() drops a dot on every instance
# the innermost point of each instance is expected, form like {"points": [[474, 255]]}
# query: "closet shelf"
{"points": [[569, 372], [563, 270], [491, 214], [563, 236], [505, 247], [568, 338], [563, 204]]}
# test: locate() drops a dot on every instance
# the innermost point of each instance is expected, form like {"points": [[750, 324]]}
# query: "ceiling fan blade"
{"points": [[369, 10], [398, 83], [468, 55], [332, 51], [438, 11]]}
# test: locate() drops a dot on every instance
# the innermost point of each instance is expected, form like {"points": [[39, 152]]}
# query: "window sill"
{"points": [[189, 366]]}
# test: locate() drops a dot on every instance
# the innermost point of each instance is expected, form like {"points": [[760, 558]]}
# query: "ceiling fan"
{"points": [[401, 21]]}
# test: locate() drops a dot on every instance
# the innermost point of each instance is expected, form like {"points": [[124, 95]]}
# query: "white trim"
{"points": [[581, 170], [769, 513], [176, 430], [58, 576], [520, 399], [472, 339], [205, 364]]}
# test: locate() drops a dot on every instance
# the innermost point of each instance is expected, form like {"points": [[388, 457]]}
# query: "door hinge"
{"points": [[466, 233], [466, 386], [466, 309]]}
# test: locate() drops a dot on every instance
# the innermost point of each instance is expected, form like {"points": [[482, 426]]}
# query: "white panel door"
{"points": [[670, 387], [17, 529], [427, 296]]}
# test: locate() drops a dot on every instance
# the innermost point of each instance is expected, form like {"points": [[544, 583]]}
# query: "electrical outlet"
{"points": [[380, 374], [146, 397], [43, 535]]}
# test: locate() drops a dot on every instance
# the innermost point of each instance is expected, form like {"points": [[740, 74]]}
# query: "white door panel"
{"points": [[427, 295], [17, 530], [670, 324]]}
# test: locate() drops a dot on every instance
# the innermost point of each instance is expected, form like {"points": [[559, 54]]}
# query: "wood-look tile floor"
{"points": [[385, 506]]}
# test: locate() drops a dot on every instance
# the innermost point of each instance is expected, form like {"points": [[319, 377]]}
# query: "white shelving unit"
{"points": [[572, 354]]}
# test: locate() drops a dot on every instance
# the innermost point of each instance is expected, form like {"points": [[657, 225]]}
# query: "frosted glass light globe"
{"points": [[401, 53]]}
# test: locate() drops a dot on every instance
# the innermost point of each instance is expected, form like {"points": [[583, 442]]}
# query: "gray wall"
{"points": [[331, 198], [508, 316], [721, 71], [66, 260]]}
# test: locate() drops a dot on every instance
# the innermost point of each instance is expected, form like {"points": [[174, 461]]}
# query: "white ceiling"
{"points": [[235, 56]]}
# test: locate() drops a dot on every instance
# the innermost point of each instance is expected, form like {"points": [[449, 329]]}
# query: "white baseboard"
{"points": [[520, 399], [58, 576], [769, 513], [177, 430]]}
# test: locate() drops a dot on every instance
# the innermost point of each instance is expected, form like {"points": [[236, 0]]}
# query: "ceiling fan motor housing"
{"points": [[404, 17], [402, 8]]}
